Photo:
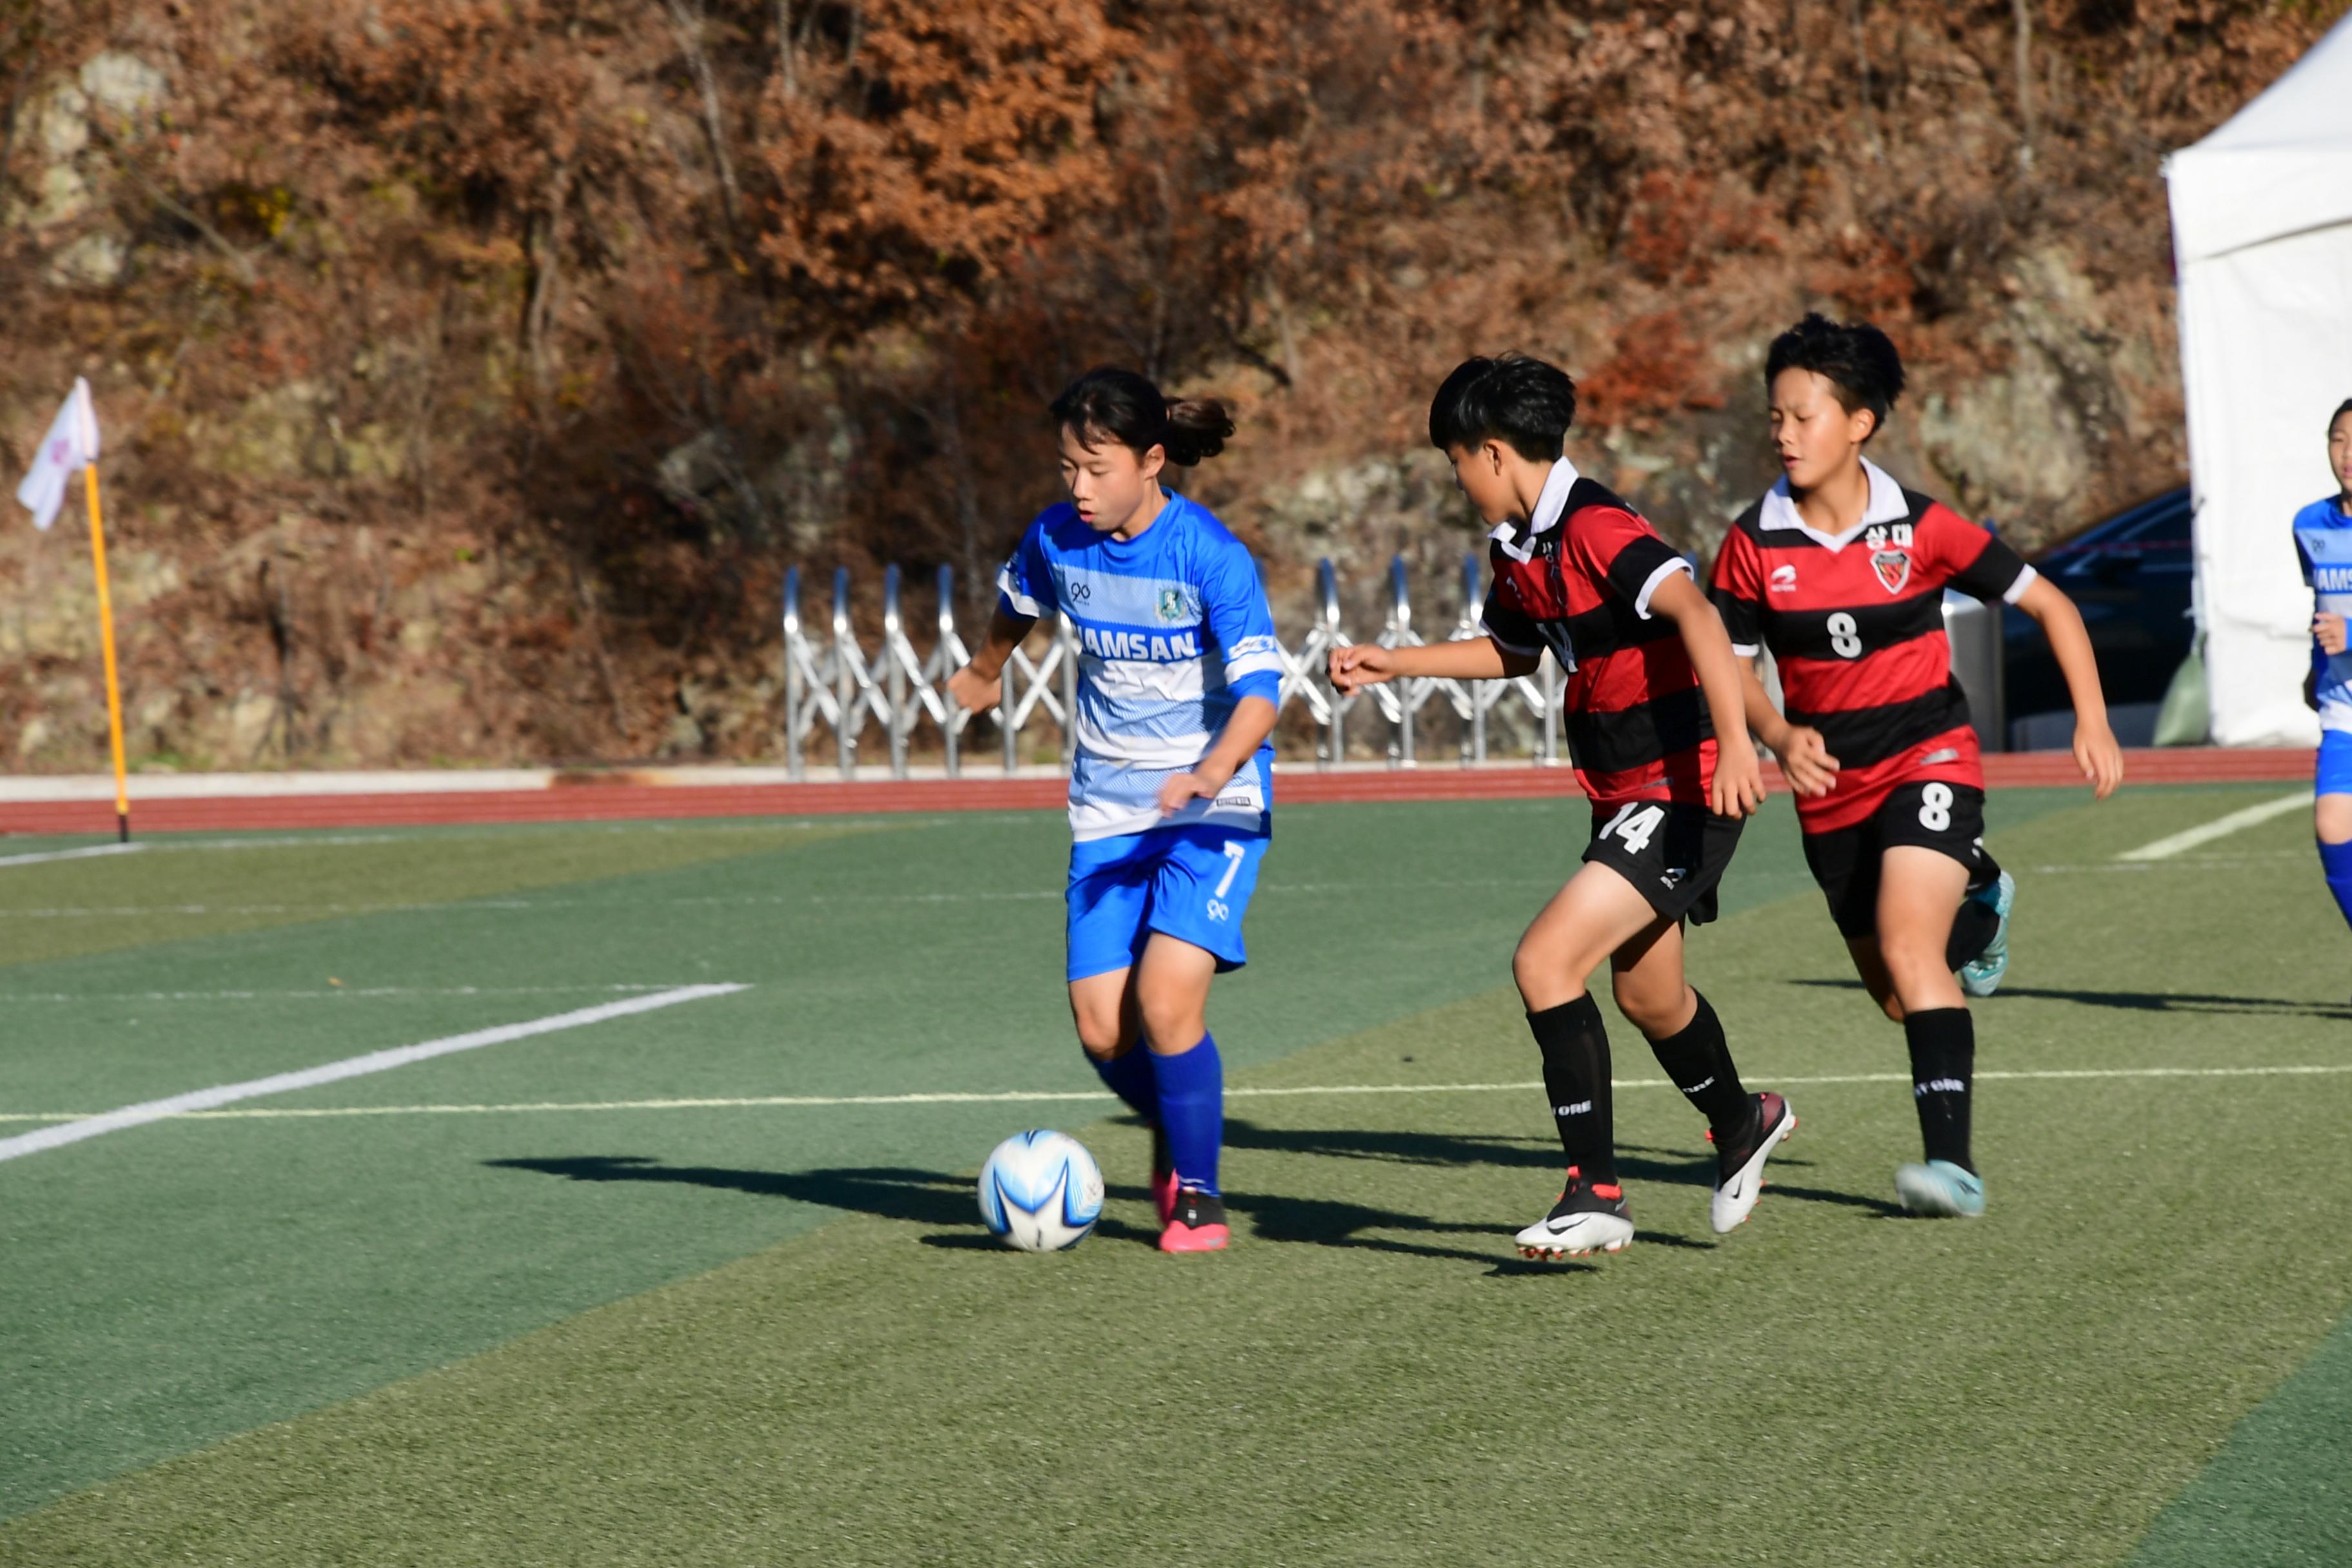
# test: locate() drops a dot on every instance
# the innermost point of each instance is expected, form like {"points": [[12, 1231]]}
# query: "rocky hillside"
{"points": [[471, 369]]}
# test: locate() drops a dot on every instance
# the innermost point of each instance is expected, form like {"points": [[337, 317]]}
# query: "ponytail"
{"points": [[1198, 427], [1110, 404]]}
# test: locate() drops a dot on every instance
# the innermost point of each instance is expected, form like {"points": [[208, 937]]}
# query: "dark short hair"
{"points": [[2341, 410], [1511, 397], [1855, 358], [1122, 405]]}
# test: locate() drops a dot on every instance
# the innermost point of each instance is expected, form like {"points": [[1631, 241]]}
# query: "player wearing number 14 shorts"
{"points": [[1841, 572], [1655, 728]]}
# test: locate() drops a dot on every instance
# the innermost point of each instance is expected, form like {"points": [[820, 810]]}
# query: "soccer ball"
{"points": [[1041, 1191]]}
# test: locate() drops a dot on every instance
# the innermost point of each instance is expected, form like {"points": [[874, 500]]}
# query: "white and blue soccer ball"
{"points": [[1041, 1191]]}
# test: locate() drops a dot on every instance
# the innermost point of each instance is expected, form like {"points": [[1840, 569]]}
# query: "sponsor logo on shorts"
{"points": [[1579, 1109], [1940, 1086], [1673, 876]]}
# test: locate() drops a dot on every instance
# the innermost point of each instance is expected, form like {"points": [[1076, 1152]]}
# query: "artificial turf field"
{"points": [[499, 1307]]}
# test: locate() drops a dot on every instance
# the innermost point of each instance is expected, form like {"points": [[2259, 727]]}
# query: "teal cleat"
{"points": [[1941, 1189], [1981, 975]]}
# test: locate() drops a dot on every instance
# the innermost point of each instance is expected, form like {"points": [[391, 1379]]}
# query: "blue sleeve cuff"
{"points": [[1260, 683]]}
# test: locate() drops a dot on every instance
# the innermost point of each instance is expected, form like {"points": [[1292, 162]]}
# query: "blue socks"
{"points": [[2336, 860], [1131, 1079], [1193, 1111]]}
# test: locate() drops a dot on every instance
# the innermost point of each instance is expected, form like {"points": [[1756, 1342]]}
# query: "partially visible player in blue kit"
{"points": [[2323, 539], [1170, 790]]}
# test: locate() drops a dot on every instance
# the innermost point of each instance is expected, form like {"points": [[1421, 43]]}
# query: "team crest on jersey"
{"points": [[1894, 569], [1175, 607]]}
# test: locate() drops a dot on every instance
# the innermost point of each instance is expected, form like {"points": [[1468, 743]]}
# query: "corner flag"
{"points": [[69, 447]]}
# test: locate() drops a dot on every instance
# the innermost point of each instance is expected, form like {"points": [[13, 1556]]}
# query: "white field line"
{"points": [[85, 853], [1051, 1097], [2220, 828], [333, 993], [200, 1099], [718, 901], [431, 834]]}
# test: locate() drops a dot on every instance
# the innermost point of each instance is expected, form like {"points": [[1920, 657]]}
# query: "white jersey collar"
{"points": [[1551, 505], [1886, 505]]}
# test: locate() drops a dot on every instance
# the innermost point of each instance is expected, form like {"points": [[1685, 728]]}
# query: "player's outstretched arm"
{"points": [[1805, 759], [1472, 658], [1738, 787], [2095, 751], [981, 684]]}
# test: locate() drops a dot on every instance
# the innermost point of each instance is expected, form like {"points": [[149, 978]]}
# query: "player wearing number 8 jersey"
{"points": [[1655, 728], [1841, 572]]}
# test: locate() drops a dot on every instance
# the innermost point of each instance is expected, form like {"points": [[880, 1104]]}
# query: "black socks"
{"points": [[1576, 1075], [1943, 1042], [1973, 929], [1977, 922], [1699, 1063]]}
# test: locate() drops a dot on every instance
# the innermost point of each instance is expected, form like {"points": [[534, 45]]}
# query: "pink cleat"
{"points": [[1198, 1223], [1163, 1177]]}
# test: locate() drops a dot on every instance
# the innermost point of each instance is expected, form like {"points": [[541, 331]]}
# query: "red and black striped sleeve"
{"points": [[1614, 546], [1736, 589], [1974, 560], [1507, 622]]}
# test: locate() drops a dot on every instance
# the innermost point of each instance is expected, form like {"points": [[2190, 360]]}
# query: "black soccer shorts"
{"points": [[1931, 813], [1674, 853]]}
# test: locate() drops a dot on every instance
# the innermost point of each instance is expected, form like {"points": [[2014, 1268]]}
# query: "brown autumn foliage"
{"points": [[472, 369]]}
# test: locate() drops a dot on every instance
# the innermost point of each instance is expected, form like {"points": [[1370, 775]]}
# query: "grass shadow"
{"points": [[2153, 1001], [892, 1192], [938, 1198]]}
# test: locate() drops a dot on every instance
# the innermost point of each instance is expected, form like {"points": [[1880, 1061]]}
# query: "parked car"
{"points": [[2130, 574]]}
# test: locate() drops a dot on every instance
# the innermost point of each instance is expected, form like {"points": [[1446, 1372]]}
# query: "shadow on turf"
{"points": [[935, 1197], [1639, 1162], [2153, 1001]]}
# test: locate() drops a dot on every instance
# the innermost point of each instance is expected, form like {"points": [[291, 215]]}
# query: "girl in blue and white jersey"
{"points": [[1170, 792], [2322, 540]]}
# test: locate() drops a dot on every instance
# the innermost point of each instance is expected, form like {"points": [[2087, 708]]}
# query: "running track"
{"points": [[620, 796]]}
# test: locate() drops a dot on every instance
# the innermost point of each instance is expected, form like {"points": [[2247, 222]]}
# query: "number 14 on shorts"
{"points": [[1634, 824]]}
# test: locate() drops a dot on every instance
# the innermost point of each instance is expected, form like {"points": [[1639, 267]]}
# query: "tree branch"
{"points": [[688, 26]]}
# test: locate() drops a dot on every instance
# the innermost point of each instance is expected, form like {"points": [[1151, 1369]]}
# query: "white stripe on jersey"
{"points": [[1022, 604], [1137, 681], [1140, 749]]}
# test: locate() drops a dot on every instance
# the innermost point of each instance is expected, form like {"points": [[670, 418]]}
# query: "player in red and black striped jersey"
{"points": [[1660, 743], [1841, 572]]}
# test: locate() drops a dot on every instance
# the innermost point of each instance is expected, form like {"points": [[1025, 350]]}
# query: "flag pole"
{"points": [[106, 638]]}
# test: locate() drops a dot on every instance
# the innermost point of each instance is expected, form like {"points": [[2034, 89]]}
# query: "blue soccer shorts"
{"points": [[2335, 761], [1193, 882]]}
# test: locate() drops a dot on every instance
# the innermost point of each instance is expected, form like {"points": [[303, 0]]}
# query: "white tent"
{"points": [[2262, 235]]}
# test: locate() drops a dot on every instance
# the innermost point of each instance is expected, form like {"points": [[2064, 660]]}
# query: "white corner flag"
{"points": [[70, 446]]}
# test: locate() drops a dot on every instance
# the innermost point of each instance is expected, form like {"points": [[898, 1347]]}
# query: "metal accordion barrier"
{"points": [[831, 681]]}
